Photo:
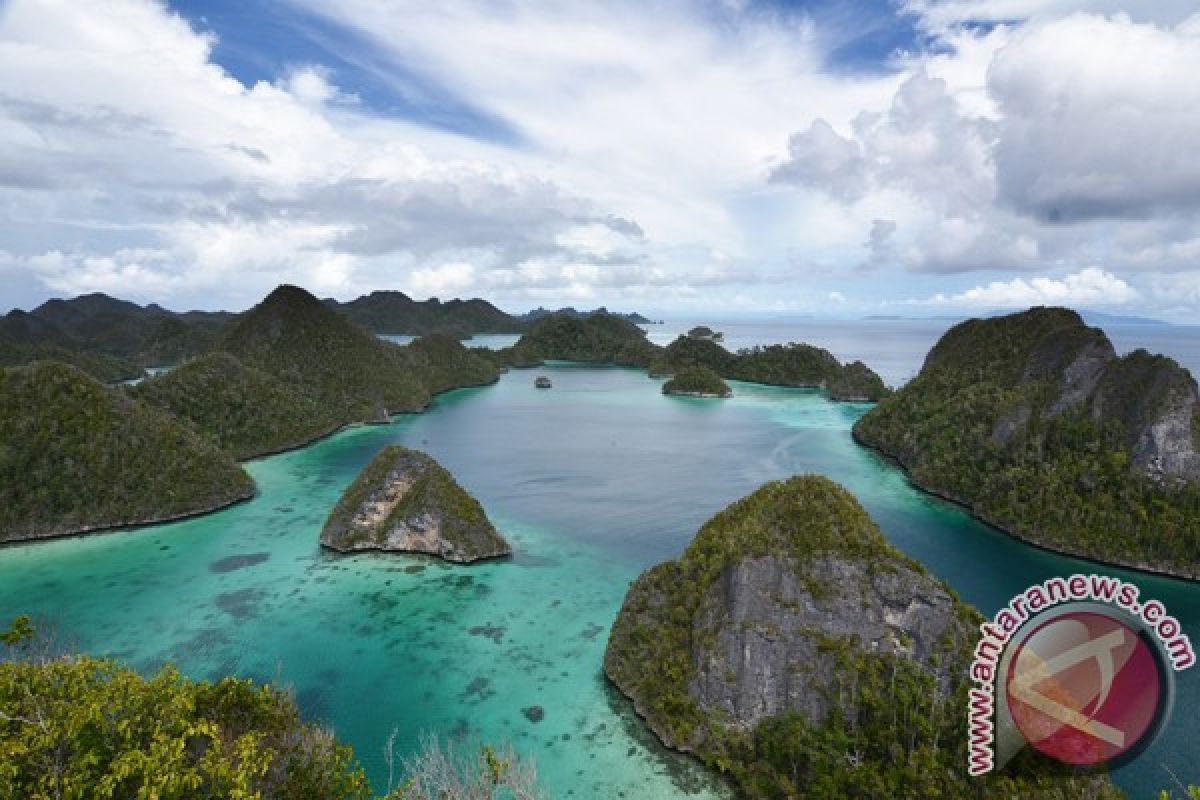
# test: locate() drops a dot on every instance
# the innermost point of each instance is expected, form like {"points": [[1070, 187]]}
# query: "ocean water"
{"points": [[593, 482], [896, 348]]}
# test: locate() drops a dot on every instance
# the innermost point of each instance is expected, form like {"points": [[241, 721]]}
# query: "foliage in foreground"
{"points": [[80, 727]]}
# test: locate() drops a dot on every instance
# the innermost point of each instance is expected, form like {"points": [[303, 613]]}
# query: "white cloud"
{"points": [[1088, 287], [659, 151], [1054, 143], [446, 278], [1099, 118]]}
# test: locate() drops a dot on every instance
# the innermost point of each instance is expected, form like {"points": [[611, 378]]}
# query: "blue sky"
{"points": [[916, 157]]}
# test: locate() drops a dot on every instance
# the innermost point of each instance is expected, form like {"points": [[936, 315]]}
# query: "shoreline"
{"points": [[118, 527], [1009, 532]]}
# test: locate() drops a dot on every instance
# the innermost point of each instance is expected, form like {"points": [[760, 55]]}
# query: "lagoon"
{"points": [[592, 482]]}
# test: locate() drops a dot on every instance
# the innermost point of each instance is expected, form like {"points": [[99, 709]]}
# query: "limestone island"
{"points": [[406, 502], [697, 382], [1037, 425], [794, 649]]}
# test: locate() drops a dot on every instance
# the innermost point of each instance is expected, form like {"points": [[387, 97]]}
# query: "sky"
{"points": [[843, 158]]}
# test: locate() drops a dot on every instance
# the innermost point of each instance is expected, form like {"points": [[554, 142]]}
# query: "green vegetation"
{"points": [[112, 340], [606, 338], [300, 372], [403, 500], [903, 733], [799, 365], [691, 351], [786, 365], [246, 410], [697, 381], [351, 375], [76, 455], [348, 373], [396, 312], [857, 382], [446, 364], [1033, 422], [705, 332], [597, 338], [80, 727]]}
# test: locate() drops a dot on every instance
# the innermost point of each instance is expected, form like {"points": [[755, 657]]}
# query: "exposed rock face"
{"points": [[1034, 422], [1156, 400], [762, 614], [750, 611], [404, 501], [794, 649]]}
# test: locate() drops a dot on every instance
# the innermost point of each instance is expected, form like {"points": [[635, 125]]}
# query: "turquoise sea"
{"points": [[592, 481]]}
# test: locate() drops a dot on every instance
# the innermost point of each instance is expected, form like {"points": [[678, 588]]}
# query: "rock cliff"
{"points": [[792, 647], [1034, 422], [404, 501]]}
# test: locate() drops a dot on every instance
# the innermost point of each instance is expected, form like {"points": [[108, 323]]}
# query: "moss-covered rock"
{"points": [[697, 382], [77, 456], [793, 647], [404, 501], [1035, 423]]}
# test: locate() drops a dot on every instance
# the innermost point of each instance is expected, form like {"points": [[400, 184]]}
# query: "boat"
{"points": [[542, 382]]}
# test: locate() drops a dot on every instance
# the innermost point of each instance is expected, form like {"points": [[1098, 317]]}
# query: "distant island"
{"points": [[396, 312], [1033, 422], [697, 382], [603, 338], [406, 502], [114, 340], [539, 312], [790, 634]]}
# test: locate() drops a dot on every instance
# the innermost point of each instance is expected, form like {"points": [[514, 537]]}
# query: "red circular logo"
{"points": [[1085, 688]]}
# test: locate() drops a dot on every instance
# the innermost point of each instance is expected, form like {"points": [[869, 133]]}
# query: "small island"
{"points": [[697, 382], [795, 650], [406, 502]]}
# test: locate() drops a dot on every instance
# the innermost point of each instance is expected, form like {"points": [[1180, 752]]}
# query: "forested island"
{"points": [[406, 502], [1033, 422], [115, 340], [80, 456], [603, 338], [793, 648], [697, 382], [77, 456]]}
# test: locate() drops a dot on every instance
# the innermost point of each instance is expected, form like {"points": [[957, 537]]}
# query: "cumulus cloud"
{"points": [[1088, 287], [1058, 141], [218, 189], [821, 158], [656, 151], [1099, 118]]}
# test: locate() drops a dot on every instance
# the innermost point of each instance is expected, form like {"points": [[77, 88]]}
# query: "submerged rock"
{"points": [[405, 502]]}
